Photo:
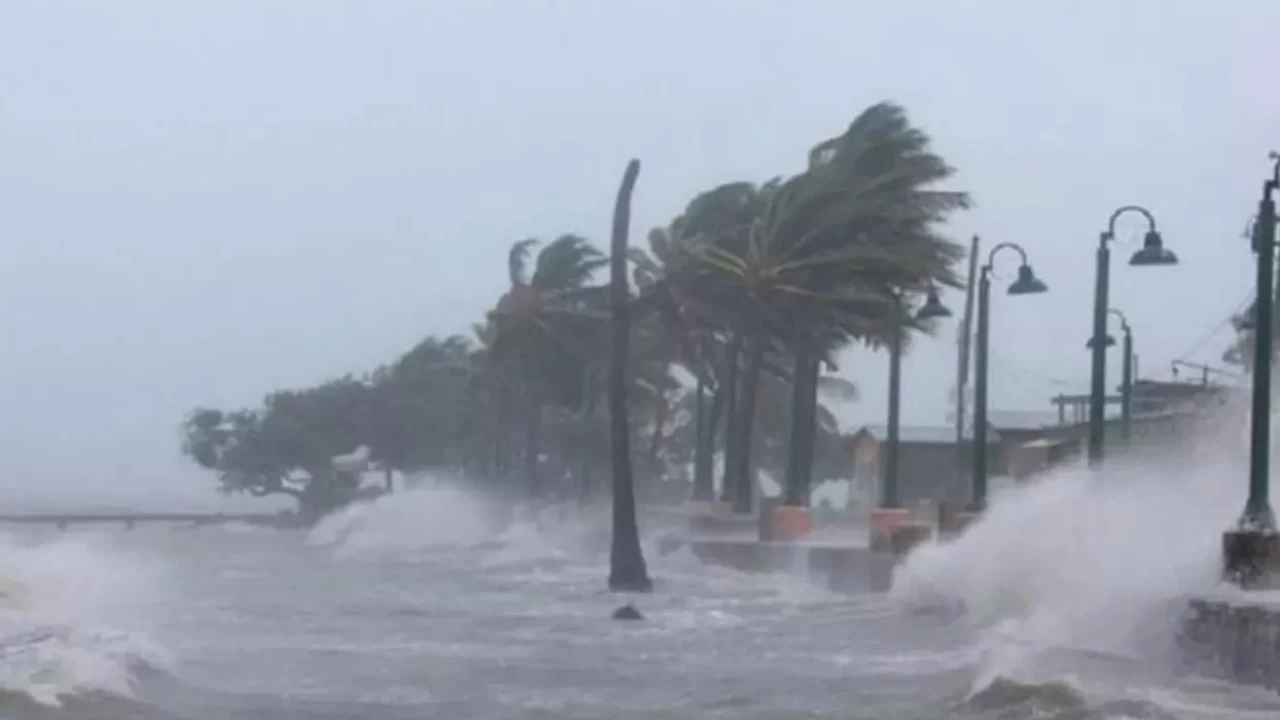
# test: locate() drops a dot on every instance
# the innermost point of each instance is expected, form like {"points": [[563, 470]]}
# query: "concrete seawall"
{"points": [[839, 567], [1235, 639]]}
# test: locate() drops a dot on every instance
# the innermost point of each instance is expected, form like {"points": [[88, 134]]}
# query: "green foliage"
{"points": [[406, 414], [795, 268]]}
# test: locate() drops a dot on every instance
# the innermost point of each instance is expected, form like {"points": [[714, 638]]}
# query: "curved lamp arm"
{"points": [[1124, 321], [991, 256], [1110, 234]]}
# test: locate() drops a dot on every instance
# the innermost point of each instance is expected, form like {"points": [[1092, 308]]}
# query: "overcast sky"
{"points": [[201, 201]]}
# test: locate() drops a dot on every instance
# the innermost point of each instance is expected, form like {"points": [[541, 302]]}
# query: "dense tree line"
{"points": [[735, 312]]}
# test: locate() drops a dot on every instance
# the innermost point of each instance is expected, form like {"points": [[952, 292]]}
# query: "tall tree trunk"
{"points": [[501, 439], [704, 445], [533, 442], [627, 570], [744, 495], [732, 420], [815, 371], [804, 408], [655, 442], [587, 449]]}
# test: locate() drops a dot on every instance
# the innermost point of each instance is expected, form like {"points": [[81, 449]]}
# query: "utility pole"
{"points": [[965, 333]]}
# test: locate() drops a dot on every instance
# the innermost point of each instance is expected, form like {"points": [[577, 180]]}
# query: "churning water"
{"points": [[435, 603]]}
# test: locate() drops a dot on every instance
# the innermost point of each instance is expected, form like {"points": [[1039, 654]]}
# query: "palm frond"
{"points": [[518, 261], [567, 262]]}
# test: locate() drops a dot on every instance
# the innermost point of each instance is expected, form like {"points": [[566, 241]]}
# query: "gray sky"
{"points": [[202, 201]]}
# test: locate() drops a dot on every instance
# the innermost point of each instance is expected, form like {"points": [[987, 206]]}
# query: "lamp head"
{"points": [[933, 307], [1027, 283], [1153, 252]]}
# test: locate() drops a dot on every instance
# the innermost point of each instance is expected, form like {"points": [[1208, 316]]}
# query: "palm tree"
{"points": [[419, 404], [627, 570], [543, 328], [881, 150], [713, 342], [811, 268], [680, 335]]}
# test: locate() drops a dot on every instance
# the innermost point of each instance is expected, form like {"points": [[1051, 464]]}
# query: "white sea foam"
{"points": [[435, 515], [70, 621], [1097, 561]]}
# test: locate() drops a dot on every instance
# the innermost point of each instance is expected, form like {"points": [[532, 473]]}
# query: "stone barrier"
{"points": [[836, 566], [1233, 639]]}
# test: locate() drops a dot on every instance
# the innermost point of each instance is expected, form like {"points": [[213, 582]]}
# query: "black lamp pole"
{"points": [[932, 308], [890, 498], [1251, 551], [1153, 252], [1026, 284], [1126, 381], [1257, 510]]}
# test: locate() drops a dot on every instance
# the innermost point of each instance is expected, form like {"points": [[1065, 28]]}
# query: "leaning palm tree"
{"points": [[627, 570], [542, 330], [810, 269], [722, 216], [671, 333]]}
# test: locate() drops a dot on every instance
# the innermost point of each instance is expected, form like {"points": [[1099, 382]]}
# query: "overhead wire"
{"points": [[1199, 344]]}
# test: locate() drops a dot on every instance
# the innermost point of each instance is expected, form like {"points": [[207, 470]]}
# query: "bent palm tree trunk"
{"points": [[731, 434], [627, 571], [804, 407], [655, 444], [704, 439], [744, 492], [588, 419], [533, 442]]}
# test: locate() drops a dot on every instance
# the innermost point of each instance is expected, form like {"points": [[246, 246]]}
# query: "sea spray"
{"points": [[436, 514], [72, 621], [443, 514], [1099, 561]]}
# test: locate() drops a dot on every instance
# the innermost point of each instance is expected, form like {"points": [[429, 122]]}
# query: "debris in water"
{"points": [[627, 612]]}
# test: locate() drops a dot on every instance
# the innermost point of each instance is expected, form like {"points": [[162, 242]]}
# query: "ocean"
{"points": [[432, 603]]}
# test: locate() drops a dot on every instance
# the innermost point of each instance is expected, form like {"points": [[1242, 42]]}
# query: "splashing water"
{"points": [[68, 623], [435, 515], [523, 543], [1091, 561]]}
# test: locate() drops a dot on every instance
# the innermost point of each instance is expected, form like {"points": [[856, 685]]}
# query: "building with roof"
{"points": [[932, 467]]}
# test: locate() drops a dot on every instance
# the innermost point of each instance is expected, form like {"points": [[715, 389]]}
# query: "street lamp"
{"points": [[1026, 284], [1126, 376], [1252, 551], [1153, 252], [932, 308]]}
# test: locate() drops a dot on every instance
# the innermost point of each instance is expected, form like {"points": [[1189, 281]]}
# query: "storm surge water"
{"points": [[69, 619], [445, 600], [435, 516], [439, 514], [1083, 562]]}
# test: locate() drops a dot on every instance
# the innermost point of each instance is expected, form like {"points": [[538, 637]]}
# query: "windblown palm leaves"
{"points": [[550, 320], [752, 289], [824, 245], [545, 329], [814, 261]]}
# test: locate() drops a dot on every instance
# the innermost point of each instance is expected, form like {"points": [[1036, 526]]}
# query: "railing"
{"points": [[130, 520]]}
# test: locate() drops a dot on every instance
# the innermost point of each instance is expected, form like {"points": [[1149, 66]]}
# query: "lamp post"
{"points": [[1252, 551], [932, 308], [1026, 284], [1153, 252], [890, 515], [1126, 376]]}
